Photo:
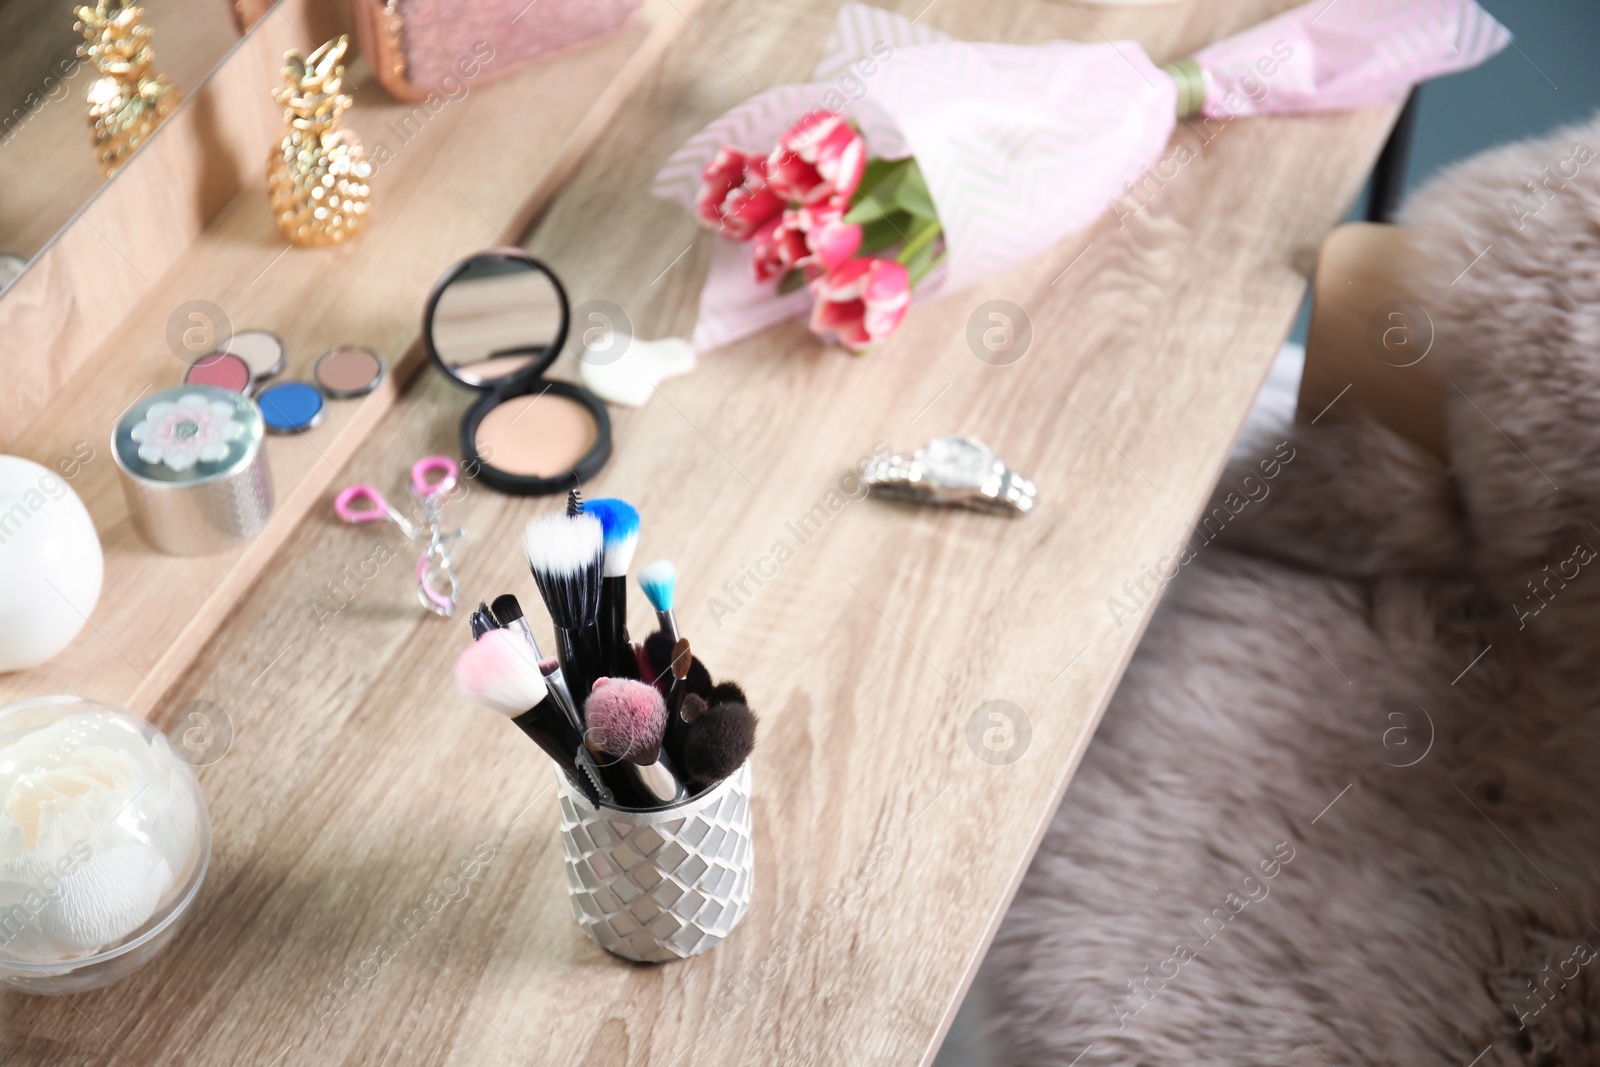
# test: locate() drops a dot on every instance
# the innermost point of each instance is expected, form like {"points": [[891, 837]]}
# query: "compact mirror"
{"points": [[496, 318], [495, 323]]}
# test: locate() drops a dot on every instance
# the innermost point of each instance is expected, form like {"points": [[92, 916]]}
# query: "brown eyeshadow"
{"points": [[349, 371], [536, 436]]}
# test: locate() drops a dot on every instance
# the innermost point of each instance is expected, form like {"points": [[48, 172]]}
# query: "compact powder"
{"points": [[222, 369], [262, 351], [541, 435], [349, 371]]}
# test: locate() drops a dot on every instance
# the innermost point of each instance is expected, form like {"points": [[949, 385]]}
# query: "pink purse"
{"points": [[424, 47]]}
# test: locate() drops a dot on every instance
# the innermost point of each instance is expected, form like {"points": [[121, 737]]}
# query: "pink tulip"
{"points": [[734, 196], [821, 156], [861, 302], [815, 239], [829, 239], [779, 246]]}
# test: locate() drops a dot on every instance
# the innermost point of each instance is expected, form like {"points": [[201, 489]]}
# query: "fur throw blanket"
{"points": [[1344, 807]]}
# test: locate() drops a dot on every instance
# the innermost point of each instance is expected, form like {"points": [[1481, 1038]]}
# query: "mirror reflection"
{"points": [[495, 318], [81, 86]]}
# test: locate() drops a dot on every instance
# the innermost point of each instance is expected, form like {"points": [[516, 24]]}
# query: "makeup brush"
{"points": [[658, 661], [717, 742], [567, 556], [659, 580], [678, 671], [620, 521], [498, 672], [480, 624], [508, 611], [626, 720]]}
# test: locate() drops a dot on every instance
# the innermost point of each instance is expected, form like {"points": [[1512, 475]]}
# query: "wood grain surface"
{"points": [[337, 925], [434, 201]]}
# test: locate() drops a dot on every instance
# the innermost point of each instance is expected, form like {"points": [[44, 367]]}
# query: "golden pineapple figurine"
{"points": [[127, 102], [317, 179]]}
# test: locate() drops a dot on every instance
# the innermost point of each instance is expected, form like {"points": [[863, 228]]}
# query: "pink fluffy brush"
{"points": [[498, 671], [626, 719]]}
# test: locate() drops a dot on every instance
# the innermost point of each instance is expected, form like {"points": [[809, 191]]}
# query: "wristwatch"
{"points": [[954, 471]]}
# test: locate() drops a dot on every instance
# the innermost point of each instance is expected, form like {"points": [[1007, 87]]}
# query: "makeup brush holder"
{"points": [[659, 885]]}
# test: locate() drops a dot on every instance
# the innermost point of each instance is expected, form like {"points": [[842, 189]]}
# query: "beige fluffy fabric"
{"points": [[1343, 808]]}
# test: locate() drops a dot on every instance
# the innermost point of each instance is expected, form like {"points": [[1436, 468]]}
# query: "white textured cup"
{"points": [[660, 885]]}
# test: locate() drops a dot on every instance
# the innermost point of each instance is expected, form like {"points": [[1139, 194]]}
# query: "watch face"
{"points": [[957, 462]]}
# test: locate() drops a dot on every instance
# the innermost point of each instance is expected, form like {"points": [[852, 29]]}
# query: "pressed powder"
{"points": [[221, 369], [349, 371], [536, 436], [261, 350]]}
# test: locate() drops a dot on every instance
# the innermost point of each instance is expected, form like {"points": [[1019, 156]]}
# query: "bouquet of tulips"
{"points": [[817, 212], [914, 158]]}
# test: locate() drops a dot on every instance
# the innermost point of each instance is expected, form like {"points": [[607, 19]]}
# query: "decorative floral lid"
{"points": [[188, 435]]}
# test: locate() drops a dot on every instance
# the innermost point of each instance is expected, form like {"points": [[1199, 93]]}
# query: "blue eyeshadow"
{"points": [[290, 407]]}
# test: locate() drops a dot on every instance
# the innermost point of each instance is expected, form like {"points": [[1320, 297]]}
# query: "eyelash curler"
{"points": [[432, 479]]}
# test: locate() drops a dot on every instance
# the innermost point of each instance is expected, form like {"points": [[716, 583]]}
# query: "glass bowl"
{"points": [[104, 843]]}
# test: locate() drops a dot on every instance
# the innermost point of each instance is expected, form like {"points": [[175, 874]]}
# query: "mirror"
{"points": [[495, 317], [50, 151]]}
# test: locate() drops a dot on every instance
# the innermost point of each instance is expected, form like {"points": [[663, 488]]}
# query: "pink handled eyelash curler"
{"points": [[432, 479]]}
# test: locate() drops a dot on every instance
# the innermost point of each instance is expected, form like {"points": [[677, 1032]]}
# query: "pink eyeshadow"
{"points": [[222, 369]]}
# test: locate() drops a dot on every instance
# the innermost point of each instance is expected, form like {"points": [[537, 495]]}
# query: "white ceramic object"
{"points": [[660, 885], [50, 564], [630, 378]]}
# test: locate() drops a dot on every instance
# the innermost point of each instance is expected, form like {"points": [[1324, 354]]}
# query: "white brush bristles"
{"points": [[619, 554], [567, 555], [558, 543], [499, 672]]}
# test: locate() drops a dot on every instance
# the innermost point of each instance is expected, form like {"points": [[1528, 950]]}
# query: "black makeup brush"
{"points": [[567, 556], [658, 657], [678, 671], [508, 611], [499, 672], [480, 624], [620, 522], [716, 740]]}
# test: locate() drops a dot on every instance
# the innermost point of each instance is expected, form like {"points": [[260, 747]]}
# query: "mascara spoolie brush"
{"points": [[620, 521], [566, 553]]}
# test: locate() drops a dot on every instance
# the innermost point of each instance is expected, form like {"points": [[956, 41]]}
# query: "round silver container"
{"points": [[193, 469]]}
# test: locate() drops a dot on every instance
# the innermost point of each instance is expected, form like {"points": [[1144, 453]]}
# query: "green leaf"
{"points": [[791, 282], [876, 170], [919, 269], [875, 195], [918, 242], [912, 192], [881, 233]]}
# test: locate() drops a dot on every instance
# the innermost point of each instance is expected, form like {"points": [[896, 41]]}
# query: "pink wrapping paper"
{"points": [[1330, 55], [1023, 145]]}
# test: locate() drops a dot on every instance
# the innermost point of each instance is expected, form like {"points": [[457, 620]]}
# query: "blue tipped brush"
{"points": [[620, 521], [659, 580]]}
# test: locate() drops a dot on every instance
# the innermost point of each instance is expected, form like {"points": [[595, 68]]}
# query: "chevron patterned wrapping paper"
{"points": [[1344, 54], [653, 886], [1022, 145]]}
